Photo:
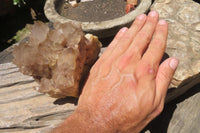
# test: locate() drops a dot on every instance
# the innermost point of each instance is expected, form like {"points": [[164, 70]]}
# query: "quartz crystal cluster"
{"points": [[58, 58]]}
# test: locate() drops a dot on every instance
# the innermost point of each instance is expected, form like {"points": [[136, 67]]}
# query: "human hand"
{"points": [[127, 86]]}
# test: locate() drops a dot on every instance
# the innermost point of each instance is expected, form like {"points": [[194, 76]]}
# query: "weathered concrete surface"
{"points": [[183, 41]]}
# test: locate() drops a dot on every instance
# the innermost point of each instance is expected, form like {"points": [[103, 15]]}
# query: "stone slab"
{"points": [[183, 41]]}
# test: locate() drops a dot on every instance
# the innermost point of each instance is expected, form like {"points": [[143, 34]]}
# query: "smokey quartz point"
{"points": [[59, 59]]}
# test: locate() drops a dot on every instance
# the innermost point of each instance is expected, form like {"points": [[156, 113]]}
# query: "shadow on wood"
{"points": [[161, 123], [66, 100]]}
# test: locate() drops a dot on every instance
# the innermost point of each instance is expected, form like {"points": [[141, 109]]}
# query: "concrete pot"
{"points": [[101, 29]]}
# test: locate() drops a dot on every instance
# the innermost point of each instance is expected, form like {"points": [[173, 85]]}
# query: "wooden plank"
{"points": [[181, 115], [6, 55], [24, 110], [186, 117]]}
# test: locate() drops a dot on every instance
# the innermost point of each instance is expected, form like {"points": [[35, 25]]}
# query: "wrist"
{"points": [[84, 122], [92, 122]]}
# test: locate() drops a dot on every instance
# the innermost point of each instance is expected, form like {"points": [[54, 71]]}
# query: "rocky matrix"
{"points": [[183, 42], [59, 59]]}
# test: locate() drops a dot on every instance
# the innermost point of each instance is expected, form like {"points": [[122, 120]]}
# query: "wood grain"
{"points": [[24, 110]]}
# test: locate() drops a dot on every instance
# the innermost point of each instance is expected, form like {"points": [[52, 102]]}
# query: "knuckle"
{"points": [[163, 76], [159, 109], [158, 42], [145, 35], [122, 62], [125, 60], [145, 69], [105, 68], [137, 24], [127, 36]]}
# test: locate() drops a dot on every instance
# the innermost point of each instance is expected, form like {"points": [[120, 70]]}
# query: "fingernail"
{"points": [[141, 17], [153, 13], [124, 29], [174, 63], [162, 22]]}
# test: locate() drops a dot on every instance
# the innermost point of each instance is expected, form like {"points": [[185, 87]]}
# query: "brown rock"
{"points": [[59, 59]]}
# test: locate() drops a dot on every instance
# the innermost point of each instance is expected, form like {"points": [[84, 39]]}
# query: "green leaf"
{"points": [[19, 2]]}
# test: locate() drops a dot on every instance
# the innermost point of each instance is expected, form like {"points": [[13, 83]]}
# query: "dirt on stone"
{"points": [[94, 11]]}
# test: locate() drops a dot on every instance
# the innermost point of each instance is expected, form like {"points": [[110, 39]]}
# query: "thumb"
{"points": [[164, 77]]}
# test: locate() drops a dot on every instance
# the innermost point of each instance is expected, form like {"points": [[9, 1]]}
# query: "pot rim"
{"points": [[54, 16]]}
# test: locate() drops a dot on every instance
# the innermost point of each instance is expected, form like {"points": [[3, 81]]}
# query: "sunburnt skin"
{"points": [[122, 95]]}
